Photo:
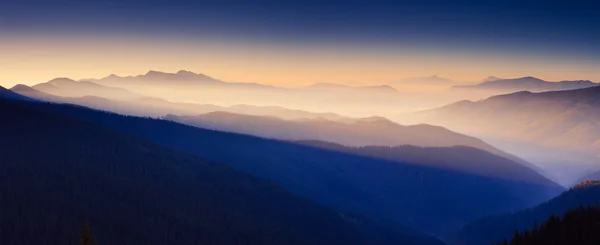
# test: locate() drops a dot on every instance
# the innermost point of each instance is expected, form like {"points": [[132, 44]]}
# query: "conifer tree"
{"points": [[86, 234]]}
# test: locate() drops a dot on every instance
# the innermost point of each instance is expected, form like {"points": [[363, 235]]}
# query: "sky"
{"points": [[295, 43]]}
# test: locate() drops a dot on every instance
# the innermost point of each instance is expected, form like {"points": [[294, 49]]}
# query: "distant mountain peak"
{"points": [[155, 73], [9, 94], [180, 75], [578, 81], [383, 87], [113, 76], [184, 72], [61, 80], [531, 78], [21, 87], [491, 79]]}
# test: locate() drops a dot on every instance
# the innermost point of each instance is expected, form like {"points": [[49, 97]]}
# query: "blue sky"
{"points": [[541, 30]]}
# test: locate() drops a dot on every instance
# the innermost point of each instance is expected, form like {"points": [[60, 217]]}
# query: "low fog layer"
{"points": [[556, 131]]}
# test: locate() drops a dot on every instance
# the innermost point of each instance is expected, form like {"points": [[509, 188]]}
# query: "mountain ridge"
{"points": [[359, 132], [495, 228], [372, 187], [84, 171]]}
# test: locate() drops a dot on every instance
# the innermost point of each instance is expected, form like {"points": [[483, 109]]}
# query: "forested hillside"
{"points": [[405, 194], [576, 227], [58, 171]]}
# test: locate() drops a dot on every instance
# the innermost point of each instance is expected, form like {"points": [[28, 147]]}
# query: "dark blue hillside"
{"points": [[428, 199], [57, 171], [495, 228]]}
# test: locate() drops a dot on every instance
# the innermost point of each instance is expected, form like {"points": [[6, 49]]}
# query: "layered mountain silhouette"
{"points": [[139, 106], [531, 84], [283, 113], [181, 77], [565, 120], [189, 87], [10, 95], [66, 87], [357, 132], [562, 118], [491, 79], [59, 171], [300, 125], [494, 229], [404, 193], [156, 107], [456, 158]]}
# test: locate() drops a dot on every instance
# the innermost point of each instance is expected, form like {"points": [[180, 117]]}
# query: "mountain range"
{"points": [[300, 125], [403, 193], [66, 87], [531, 84], [455, 158], [379, 180], [358, 132], [134, 191], [156, 107], [10, 95], [189, 87], [566, 121]]}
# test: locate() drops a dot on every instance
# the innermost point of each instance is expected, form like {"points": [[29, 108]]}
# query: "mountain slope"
{"points": [[561, 121], [59, 171], [189, 87], [577, 226], [282, 113], [66, 87], [155, 107], [456, 158], [359, 132], [495, 228], [405, 194], [10, 95], [142, 106], [531, 84], [562, 118]]}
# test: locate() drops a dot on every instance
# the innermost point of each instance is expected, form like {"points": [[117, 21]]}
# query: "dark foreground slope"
{"points": [[580, 226], [498, 227], [428, 199], [10, 95], [57, 171]]}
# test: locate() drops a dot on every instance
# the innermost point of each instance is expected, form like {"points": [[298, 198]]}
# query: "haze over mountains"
{"points": [[185, 86], [137, 192], [424, 84], [568, 121], [66, 87], [494, 86], [358, 132], [305, 125], [405, 194], [391, 183], [157, 107]]}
